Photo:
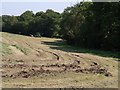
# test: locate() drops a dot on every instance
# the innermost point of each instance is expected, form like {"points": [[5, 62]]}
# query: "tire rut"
{"points": [[57, 56]]}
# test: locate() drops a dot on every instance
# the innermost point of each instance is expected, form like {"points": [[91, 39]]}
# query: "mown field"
{"points": [[51, 63]]}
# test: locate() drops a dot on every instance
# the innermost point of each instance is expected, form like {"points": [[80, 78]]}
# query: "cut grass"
{"points": [[22, 49], [4, 49], [62, 45]]}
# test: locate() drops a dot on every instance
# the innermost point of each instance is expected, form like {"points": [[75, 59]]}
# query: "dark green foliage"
{"points": [[8, 23], [92, 25], [46, 23], [17, 24]]}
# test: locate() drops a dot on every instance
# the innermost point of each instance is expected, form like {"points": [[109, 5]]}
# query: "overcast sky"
{"points": [[17, 8]]}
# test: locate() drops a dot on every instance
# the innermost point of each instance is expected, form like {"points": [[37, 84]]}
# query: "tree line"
{"points": [[86, 24], [28, 23]]}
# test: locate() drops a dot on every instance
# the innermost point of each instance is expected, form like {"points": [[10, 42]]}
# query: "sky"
{"points": [[17, 8]]}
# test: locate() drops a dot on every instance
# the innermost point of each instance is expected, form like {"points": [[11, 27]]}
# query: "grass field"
{"points": [[51, 63]]}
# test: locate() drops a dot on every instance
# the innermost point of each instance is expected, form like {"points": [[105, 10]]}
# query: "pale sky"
{"points": [[17, 8]]}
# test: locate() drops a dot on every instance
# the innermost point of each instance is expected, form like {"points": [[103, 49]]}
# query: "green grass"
{"points": [[22, 49], [4, 49], [62, 45]]}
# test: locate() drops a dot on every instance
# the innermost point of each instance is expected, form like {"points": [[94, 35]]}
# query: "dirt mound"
{"points": [[56, 68]]}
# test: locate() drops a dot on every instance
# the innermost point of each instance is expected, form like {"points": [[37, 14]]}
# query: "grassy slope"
{"points": [[5, 50], [60, 79], [60, 45]]}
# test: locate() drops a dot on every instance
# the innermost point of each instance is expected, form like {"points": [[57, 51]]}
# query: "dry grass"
{"points": [[40, 53]]}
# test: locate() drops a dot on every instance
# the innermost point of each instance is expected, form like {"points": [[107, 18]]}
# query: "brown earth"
{"points": [[33, 63]]}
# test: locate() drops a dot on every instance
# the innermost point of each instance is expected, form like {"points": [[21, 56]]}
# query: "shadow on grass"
{"points": [[61, 45]]}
